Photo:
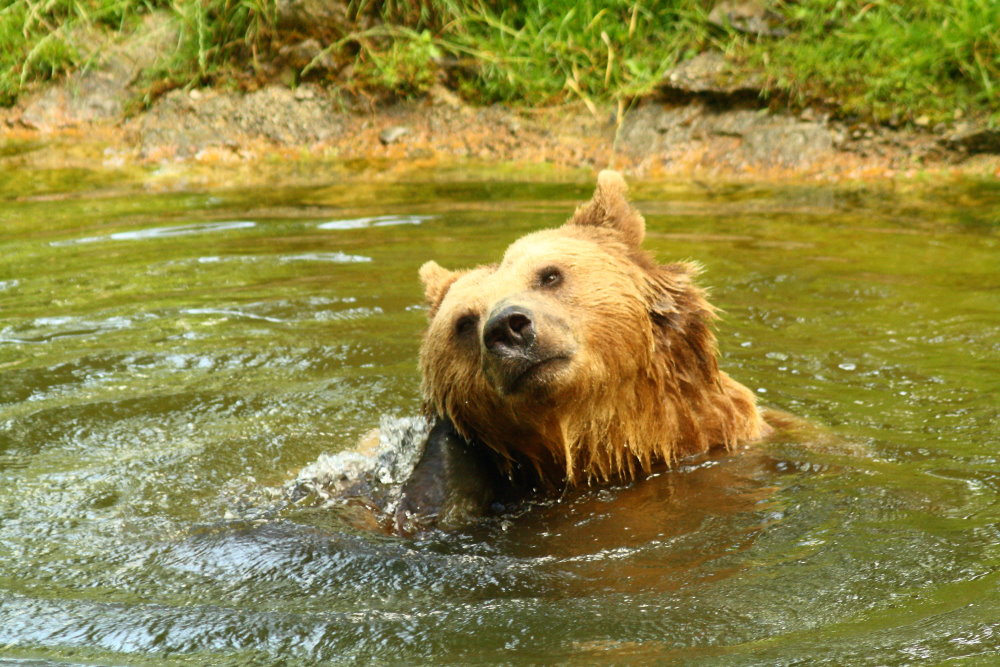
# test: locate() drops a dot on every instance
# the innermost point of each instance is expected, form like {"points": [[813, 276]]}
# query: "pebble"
{"points": [[393, 134]]}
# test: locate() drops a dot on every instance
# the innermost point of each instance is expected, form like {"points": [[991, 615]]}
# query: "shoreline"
{"points": [[199, 135]]}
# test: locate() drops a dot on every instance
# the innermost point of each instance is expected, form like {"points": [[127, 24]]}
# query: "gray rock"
{"points": [[190, 123], [99, 93], [710, 73], [307, 15], [393, 134], [749, 16], [974, 140], [786, 142], [83, 97], [739, 136], [308, 53]]}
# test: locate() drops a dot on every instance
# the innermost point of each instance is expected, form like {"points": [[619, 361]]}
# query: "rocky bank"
{"points": [[704, 121]]}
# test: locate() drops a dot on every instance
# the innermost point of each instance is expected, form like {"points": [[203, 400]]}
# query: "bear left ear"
{"points": [[436, 280], [609, 208]]}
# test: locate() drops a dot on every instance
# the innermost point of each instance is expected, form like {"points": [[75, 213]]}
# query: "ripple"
{"points": [[231, 313], [377, 221], [336, 257], [161, 232], [46, 329]]}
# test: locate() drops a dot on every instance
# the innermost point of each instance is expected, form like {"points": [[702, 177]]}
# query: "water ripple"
{"points": [[336, 257], [46, 329], [161, 232], [377, 221]]}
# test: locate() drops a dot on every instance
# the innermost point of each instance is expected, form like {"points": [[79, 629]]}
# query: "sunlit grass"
{"points": [[885, 58], [881, 60]]}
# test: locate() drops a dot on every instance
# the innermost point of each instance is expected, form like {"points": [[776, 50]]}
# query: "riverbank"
{"points": [[189, 135], [714, 112]]}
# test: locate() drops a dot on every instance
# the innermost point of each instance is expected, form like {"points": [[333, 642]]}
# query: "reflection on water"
{"points": [[160, 232], [377, 221], [169, 363]]}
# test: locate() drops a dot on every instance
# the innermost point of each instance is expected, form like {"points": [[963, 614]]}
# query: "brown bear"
{"points": [[578, 359]]}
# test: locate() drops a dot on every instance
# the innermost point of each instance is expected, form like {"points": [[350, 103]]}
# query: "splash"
{"points": [[375, 478]]}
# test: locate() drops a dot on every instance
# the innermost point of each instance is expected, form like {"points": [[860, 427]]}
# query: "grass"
{"points": [[36, 40], [888, 58], [905, 60]]}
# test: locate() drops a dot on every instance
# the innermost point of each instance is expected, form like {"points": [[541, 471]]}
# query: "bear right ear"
{"points": [[609, 208], [436, 280]]}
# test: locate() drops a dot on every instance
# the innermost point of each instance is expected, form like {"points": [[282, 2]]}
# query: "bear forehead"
{"points": [[554, 246], [593, 262]]}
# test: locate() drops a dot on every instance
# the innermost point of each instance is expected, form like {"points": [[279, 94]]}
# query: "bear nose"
{"points": [[508, 331]]}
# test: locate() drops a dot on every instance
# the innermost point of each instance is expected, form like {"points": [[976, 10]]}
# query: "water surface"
{"points": [[167, 360]]}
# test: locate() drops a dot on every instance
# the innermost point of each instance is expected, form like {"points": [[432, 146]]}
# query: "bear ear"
{"points": [[436, 280], [609, 208]]}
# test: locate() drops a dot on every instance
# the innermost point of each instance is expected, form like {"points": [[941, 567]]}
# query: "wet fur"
{"points": [[643, 387]]}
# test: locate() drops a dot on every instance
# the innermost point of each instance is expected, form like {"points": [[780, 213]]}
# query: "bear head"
{"points": [[578, 357]]}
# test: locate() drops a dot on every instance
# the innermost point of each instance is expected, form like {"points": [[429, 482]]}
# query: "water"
{"points": [[169, 361]]}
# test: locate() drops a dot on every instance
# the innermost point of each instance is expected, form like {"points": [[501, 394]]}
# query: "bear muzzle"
{"points": [[517, 353], [509, 332]]}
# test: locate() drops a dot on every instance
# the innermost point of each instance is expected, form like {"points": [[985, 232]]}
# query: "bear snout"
{"points": [[509, 332], [523, 350]]}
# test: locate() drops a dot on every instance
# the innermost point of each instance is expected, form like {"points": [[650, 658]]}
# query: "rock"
{"points": [[738, 137], [974, 140], [393, 134], [275, 113], [99, 93], [308, 53], [308, 15], [304, 93], [83, 97], [782, 141], [438, 94], [749, 17], [709, 73]]}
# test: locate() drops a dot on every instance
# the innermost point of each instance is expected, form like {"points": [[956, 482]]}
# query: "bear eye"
{"points": [[550, 276], [465, 324]]}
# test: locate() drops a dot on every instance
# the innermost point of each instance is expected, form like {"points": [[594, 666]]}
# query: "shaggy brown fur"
{"points": [[608, 366]]}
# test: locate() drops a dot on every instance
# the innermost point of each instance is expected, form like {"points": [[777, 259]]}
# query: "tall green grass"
{"points": [[888, 58], [876, 59], [40, 39], [217, 40], [548, 51], [43, 39]]}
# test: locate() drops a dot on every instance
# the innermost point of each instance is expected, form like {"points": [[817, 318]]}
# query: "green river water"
{"points": [[169, 359]]}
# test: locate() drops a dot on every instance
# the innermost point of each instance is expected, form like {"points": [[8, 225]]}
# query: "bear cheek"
{"points": [[451, 377], [618, 353]]}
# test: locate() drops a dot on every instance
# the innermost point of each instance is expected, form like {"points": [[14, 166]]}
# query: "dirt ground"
{"points": [[676, 134]]}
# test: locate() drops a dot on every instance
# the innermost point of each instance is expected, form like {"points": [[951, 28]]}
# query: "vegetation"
{"points": [[886, 58], [928, 60]]}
